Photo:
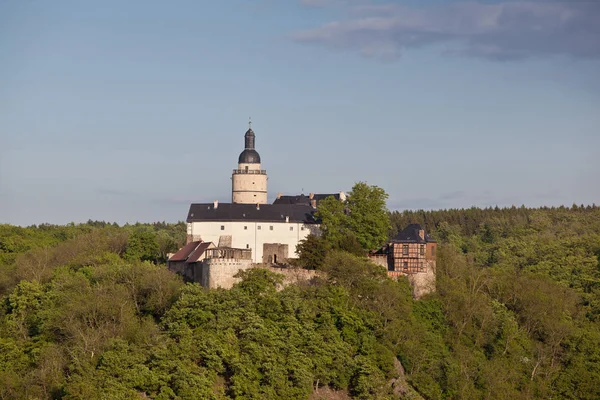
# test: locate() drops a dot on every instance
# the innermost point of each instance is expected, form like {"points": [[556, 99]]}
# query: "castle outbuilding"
{"points": [[411, 253]]}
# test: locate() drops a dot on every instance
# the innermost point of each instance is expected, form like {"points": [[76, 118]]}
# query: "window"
{"points": [[404, 249], [301, 228], [222, 227], [422, 249], [245, 228], [433, 251], [247, 246], [405, 265], [246, 168], [291, 228], [271, 227], [421, 267], [258, 228]]}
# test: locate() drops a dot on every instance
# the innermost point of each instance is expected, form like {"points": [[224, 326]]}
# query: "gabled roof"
{"points": [[229, 212], [184, 252], [410, 234], [191, 252], [196, 254]]}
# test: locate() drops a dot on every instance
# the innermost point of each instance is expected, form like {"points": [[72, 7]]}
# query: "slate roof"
{"points": [[249, 156], [229, 212], [303, 199], [410, 234]]}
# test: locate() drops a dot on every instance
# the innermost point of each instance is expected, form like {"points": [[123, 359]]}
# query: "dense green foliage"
{"points": [[90, 311], [362, 221]]}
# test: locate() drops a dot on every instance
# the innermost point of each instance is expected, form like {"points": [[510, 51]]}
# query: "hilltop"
{"points": [[90, 310]]}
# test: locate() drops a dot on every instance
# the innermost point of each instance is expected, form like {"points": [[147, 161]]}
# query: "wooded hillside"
{"points": [[90, 311]]}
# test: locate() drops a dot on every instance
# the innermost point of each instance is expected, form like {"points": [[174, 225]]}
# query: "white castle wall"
{"points": [[252, 235]]}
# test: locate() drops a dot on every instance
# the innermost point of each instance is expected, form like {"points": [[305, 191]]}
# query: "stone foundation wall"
{"points": [[422, 283], [292, 275], [219, 272], [380, 259]]}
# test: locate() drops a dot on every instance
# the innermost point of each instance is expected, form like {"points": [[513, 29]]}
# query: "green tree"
{"points": [[334, 220], [142, 245], [312, 251], [368, 216], [363, 218]]}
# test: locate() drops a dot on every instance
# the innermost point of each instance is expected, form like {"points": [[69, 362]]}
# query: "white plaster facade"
{"points": [[252, 234], [249, 184]]}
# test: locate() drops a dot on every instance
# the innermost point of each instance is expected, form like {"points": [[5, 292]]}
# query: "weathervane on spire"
{"points": [[250, 122]]}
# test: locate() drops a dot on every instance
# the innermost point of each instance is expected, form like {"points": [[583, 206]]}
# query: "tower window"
{"points": [[222, 227]]}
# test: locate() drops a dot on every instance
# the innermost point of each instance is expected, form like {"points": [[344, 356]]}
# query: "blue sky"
{"points": [[129, 111]]}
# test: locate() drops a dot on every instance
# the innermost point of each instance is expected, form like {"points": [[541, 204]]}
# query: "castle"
{"points": [[248, 230], [223, 238]]}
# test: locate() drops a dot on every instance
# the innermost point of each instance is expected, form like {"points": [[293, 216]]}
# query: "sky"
{"points": [[129, 111]]}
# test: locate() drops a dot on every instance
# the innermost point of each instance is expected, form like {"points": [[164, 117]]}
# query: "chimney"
{"points": [[287, 219], [342, 196], [258, 206], [313, 203], [422, 234], [216, 204], [279, 195], [311, 195]]}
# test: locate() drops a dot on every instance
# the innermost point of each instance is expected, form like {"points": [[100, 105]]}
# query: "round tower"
{"points": [[249, 182]]}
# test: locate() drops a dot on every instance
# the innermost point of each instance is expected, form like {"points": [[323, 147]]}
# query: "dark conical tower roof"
{"points": [[249, 155]]}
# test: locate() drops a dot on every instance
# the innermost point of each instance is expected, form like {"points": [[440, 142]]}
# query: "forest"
{"points": [[91, 311]]}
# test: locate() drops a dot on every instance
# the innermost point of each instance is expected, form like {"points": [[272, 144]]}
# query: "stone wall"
{"points": [[215, 273], [293, 275], [219, 272], [275, 253], [422, 283], [379, 259]]}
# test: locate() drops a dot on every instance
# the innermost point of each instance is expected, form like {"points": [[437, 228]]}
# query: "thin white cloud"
{"points": [[501, 31]]}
